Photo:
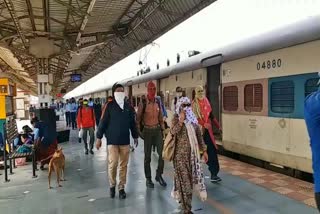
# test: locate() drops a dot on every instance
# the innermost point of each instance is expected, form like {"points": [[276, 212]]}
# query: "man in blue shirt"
{"points": [[312, 118]]}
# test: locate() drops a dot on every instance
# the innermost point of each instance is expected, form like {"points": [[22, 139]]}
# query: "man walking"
{"points": [[68, 116], [116, 122], [97, 110], [73, 112], [150, 125], [86, 122]]}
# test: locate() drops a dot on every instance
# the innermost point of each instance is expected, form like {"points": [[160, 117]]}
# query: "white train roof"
{"points": [[303, 31]]}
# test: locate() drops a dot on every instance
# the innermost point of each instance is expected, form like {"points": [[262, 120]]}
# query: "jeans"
{"points": [[68, 118], [73, 119]]}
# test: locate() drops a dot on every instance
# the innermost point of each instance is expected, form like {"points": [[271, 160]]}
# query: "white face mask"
{"points": [[119, 97]]}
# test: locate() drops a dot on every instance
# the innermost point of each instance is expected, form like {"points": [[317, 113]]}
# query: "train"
{"points": [[257, 88]]}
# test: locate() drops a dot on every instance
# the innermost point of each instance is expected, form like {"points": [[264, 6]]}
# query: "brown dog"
{"points": [[57, 163]]}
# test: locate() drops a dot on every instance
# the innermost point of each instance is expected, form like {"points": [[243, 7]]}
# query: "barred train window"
{"points": [[282, 97], [310, 86], [253, 97], [230, 98]]}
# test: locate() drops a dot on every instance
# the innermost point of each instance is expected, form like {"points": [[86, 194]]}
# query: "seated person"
{"points": [[24, 138], [27, 144], [45, 142]]}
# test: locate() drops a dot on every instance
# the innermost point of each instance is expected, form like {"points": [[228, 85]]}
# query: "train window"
{"points": [[230, 98], [253, 97], [310, 86], [282, 97]]}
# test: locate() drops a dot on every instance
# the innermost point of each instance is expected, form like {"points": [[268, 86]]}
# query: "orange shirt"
{"points": [[85, 117]]}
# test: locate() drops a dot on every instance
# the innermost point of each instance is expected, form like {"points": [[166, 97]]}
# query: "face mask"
{"points": [[200, 95], [119, 97]]}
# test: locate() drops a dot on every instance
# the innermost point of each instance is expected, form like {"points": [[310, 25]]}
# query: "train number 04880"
{"points": [[269, 64]]}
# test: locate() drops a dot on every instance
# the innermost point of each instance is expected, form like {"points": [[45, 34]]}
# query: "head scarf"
{"points": [[151, 92], [190, 117], [201, 106]]}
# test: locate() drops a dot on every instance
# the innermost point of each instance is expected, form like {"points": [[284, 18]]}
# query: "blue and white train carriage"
{"points": [[257, 88]]}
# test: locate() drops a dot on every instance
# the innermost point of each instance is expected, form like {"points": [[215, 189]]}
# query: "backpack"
{"points": [[144, 106]]}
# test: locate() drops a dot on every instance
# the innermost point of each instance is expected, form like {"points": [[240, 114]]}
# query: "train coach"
{"points": [[257, 89]]}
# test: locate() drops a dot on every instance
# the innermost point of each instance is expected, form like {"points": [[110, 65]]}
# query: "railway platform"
{"points": [[245, 189]]}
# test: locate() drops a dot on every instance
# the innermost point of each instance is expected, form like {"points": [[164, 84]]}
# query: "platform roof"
{"points": [[80, 36]]}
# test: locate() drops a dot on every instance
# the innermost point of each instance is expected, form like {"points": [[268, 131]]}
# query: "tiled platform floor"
{"points": [[245, 189], [293, 188]]}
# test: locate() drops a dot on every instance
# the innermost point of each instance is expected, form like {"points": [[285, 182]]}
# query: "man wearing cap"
{"points": [[150, 116], [86, 122], [116, 123], [312, 118]]}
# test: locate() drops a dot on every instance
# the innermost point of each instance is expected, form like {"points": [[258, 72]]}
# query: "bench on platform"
{"points": [[10, 131]]}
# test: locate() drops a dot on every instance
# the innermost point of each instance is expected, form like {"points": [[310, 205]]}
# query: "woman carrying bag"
{"points": [[188, 174]]}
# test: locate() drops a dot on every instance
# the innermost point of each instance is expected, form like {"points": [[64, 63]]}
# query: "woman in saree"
{"points": [[203, 111], [188, 174], [45, 142]]}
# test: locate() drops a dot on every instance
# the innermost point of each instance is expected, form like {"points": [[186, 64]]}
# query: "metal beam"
{"points": [[31, 14], [13, 15], [73, 9], [85, 20]]}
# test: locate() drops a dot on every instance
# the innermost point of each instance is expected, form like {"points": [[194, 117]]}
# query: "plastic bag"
{"points": [[80, 133], [20, 161]]}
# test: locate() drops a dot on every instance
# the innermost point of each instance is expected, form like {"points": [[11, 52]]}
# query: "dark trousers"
{"points": [[85, 138], [317, 197], [152, 137], [68, 118], [213, 161], [73, 119], [97, 121]]}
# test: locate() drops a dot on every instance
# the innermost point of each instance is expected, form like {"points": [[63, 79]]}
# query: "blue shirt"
{"points": [[73, 107], [312, 118]]}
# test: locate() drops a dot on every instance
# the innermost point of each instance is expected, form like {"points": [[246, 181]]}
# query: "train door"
{"points": [[213, 91]]}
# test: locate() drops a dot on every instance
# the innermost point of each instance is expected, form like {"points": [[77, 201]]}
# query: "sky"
{"points": [[221, 23]]}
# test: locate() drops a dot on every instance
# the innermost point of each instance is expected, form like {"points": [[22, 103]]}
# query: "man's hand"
{"points": [[136, 142], [98, 144], [207, 125], [140, 134], [182, 116]]}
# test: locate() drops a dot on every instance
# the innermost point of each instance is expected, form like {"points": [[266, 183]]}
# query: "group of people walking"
{"points": [[192, 129]]}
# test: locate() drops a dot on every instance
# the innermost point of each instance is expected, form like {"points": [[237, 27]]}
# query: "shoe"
{"points": [[161, 181], [112, 192], [91, 152], [215, 179], [122, 194], [149, 183], [86, 152]]}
